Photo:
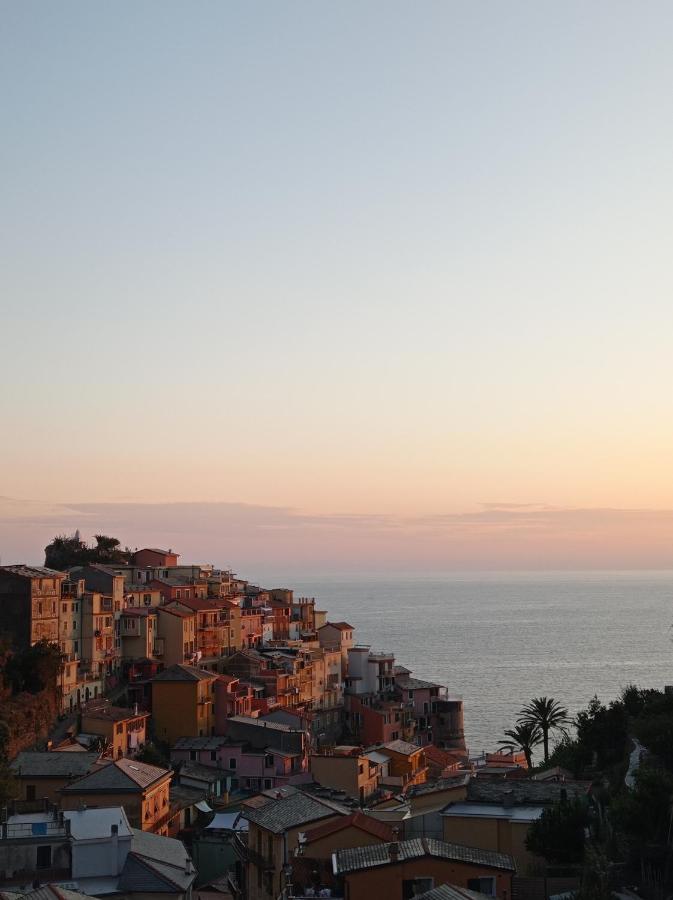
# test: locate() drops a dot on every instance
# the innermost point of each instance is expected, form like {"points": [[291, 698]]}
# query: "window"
{"points": [[213, 755], [395, 735], [120, 728], [485, 885], [30, 792], [65, 607], [44, 857], [178, 594], [232, 762], [267, 784]]}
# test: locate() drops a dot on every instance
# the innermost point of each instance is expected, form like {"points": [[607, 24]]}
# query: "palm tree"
{"points": [[548, 715], [524, 736]]}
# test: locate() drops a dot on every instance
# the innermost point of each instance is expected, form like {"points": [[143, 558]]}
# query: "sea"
{"points": [[499, 639]]}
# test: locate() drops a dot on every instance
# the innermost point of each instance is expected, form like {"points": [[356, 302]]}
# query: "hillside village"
{"points": [[215, 738]]}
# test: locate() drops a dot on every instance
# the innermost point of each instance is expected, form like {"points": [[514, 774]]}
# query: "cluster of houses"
{"points": [[297, 762]]}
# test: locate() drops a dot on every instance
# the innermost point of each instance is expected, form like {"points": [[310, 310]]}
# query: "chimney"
{"points": [[508, 799], [394, 851]]}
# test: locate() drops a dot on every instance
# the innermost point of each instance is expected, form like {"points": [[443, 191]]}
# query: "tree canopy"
{"points": [[69, 550]]}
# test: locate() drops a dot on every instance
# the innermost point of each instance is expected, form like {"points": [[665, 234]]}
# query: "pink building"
{"points": [[244, 767], [232, 698]]}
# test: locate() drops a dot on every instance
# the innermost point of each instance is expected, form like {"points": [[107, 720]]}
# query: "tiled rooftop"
{"points": [[291, 811], [25, 571], [451, 892], [521, 791], [34, 764], [359, 820], [113, 713], [122, 775], [359, 858], [199, 743], [180, 672], [403, 747]]}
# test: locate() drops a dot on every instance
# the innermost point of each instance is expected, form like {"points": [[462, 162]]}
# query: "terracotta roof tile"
{"points": [[359, 820]]}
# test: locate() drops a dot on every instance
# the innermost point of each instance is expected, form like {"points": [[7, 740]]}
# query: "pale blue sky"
{"points": [[398, 257]]}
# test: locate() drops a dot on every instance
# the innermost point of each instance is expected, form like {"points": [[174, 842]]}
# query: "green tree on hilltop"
{"points": [[70, 550]]}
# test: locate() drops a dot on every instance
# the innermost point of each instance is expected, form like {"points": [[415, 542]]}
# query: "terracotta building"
{"points": [[400, 870], [153, 557]]}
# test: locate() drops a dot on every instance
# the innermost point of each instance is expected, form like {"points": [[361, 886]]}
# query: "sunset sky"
{"points": [[383, 283]]}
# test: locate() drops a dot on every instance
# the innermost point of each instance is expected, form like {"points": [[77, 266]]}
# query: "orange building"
{"points": [[141, 789], [401, 870], [407, 763], [346, 769], [176, 629], [124, 730], [215, 636], [182, 703], [152, 557]]}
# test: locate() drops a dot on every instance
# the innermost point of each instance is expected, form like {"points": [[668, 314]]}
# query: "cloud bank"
{"points": [[249, 538]]}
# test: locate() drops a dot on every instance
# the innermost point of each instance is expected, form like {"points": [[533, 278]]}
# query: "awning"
{"points": [[229, 822], [202, 806]]}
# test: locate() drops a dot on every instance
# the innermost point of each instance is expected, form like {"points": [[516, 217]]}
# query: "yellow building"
{"points": [[98, 651], [496, 816], [346, 769], [182, 703], [124, 730], [177, 631], [141, 789], [139, 634]]}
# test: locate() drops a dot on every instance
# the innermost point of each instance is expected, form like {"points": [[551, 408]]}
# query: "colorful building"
{"points": [[29, 604], [347, 769], [183, 703], [400, 870], [124, 730], [142, 790]]}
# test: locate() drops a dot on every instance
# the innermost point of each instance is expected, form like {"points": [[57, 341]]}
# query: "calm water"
{"points": [[500, 639]]}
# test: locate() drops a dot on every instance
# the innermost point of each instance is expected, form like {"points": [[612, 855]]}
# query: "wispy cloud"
{"points": [[494, 536]]}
